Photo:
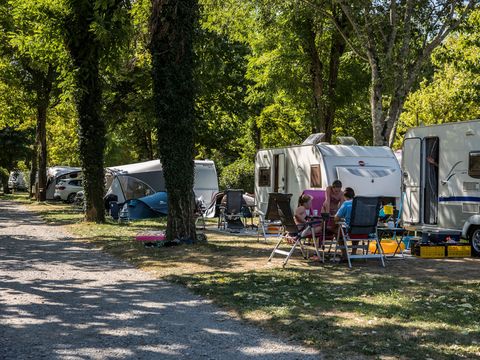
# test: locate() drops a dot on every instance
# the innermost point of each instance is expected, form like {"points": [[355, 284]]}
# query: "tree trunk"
{"points": [[84, 49], [316, 73], [33, 172], [172, 28], [43, 88], [376, 106], [4, 180], [336, 51], [41, 146]]}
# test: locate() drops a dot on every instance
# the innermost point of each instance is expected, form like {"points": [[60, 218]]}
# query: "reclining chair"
{"points": [[362, 229], [303, 239], [230, 214], [271, 216]]}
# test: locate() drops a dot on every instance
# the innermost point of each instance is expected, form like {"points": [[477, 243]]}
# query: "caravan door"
{"points": [[412, 175], [279, 183]]}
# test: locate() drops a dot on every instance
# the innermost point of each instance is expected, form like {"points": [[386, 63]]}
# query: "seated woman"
{"points": [[333, 198], [301, 217]]}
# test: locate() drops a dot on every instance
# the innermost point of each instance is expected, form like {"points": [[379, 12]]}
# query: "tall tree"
{"points": [[33, 45], [172, 27], [90, 26], [396, 38]]}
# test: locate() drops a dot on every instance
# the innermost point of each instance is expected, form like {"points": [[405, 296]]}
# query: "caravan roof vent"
{"points": [[314, 139], [347, 140]]}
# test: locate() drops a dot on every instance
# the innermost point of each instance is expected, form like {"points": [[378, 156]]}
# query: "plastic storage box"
{"points": [[463, 250], [429, 251]]}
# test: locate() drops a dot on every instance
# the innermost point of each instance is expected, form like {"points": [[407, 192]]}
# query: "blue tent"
{"points": [[150, 206]]}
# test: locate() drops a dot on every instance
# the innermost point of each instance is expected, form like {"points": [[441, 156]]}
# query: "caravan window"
{"points": [[205, 178], [474, 164], [264, 176], [134, 188], [315, 176]]}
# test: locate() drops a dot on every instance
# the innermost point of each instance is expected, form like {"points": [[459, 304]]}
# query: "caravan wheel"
{"points": [[475, 241]]}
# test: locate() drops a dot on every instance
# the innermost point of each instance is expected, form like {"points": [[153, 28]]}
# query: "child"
{"points": [[304, 204], [301, 217]]}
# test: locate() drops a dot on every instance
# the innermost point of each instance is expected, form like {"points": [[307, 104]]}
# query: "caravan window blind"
{"points": [[474, 164], [315, 176]]}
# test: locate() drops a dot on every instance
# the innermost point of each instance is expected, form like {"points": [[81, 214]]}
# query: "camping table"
{"points": [[397, 235]]}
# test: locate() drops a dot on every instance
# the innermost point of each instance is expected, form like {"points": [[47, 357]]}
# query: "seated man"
{"points": [[345, 213]]}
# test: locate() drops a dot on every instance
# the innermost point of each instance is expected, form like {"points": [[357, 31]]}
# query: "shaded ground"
{"points": [[62, 300]]}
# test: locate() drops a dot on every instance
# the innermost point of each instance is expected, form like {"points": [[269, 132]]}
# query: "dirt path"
{"points": [[61, 300]]}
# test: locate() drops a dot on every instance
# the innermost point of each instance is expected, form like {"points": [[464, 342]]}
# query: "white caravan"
{"points": [[369, 170], [441, 177], [134, 181]]}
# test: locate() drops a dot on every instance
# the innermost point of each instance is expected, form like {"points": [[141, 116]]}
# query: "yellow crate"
{"points": [[430, 252], [459, 251]]}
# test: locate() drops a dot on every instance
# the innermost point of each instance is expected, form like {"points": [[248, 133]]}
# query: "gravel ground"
{"points": [[62, 300]]}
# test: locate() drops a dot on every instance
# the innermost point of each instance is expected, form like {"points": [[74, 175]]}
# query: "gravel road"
{"points": [[60, 299]]}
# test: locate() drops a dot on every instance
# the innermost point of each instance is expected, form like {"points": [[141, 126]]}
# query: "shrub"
{"points": [[238, 175]]}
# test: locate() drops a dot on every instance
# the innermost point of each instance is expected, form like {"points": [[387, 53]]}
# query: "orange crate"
{"points": [[459, 251]]}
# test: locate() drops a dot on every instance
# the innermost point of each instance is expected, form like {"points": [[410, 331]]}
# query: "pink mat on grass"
{"points": [[151, 236]]}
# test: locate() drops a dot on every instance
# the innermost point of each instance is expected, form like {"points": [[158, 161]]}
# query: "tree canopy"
{"points": [[267, 73]]}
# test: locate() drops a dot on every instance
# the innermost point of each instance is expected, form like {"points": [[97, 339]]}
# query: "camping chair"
{"points": [[230, 214], [362, 229], [294, 236], [199, 212], [271, 217]]}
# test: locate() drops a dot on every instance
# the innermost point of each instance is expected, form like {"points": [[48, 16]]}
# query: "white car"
{"points": [[67, 189]]}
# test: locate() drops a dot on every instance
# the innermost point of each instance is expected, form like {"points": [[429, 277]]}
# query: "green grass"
{"points": [[412, 309], [17, 197]]}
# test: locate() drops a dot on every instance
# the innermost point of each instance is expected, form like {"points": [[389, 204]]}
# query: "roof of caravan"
{"points": [[142, 167], [204, 162], [355, 151], [55, 171], [447, 124], [148, 166]]}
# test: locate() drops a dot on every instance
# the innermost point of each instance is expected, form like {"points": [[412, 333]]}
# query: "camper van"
{"points": [[441, 177], [134, 181], [369, 170]]}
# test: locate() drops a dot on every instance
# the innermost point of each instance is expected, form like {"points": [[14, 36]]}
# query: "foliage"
{"points": [[453, 94], [396, 39], [238, 175], [14, 144]]}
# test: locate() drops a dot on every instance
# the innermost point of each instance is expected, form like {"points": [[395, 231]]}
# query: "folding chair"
{"points": [[231, 213], [199, 213], [271, 216], [362, 229], [294, 236]]}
